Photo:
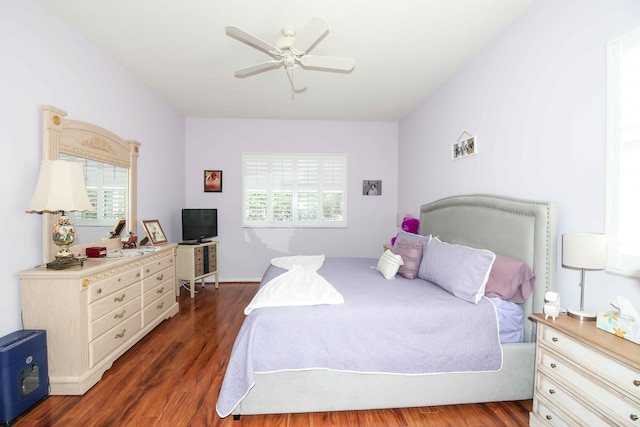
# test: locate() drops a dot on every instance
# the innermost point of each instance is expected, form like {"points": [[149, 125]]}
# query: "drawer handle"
{"points": [[137, 274], [552, 391], [148, 270], [553, 365], [161, 290], [549, 417], [119, 316], [99, 291], [119, 279], [633, 417], [636, 383], [121, 334], [160, 277], [554, 339], [116, 299], [159, 306]]}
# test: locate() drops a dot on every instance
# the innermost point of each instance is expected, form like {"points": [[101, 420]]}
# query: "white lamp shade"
{"points": [[60, 187], [584, 251]]}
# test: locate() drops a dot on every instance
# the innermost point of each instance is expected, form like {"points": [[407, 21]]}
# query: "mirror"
{"points": [[102, 149]]}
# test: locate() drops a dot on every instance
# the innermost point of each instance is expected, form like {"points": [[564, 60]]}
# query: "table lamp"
{"points": [[584, 251], [61, 188]]}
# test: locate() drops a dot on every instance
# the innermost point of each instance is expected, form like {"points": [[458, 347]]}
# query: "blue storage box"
{"points": [[24, 372]]}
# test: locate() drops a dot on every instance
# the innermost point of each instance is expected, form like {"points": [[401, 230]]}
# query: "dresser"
{"points": [[584, 376], [196, 263], [94, 314]]}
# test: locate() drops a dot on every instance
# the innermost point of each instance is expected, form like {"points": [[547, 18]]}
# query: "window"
{"points": [[294, 190], [107, 189], [623, 154]]}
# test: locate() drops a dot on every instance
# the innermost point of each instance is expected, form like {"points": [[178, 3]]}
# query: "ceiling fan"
{"points": [[291, 51]]}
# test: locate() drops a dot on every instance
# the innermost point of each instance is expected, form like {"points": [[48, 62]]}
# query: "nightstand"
{"points": [[584, 375]]}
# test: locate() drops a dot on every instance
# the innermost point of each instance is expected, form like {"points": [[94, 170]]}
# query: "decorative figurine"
{"points": [[552, 305], [129, 240]]}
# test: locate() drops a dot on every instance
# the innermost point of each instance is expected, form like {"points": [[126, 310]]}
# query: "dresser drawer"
{"points": [[547, 415], [114, 338], [158, 291], [558, 396], [212, 258], [110, 320], [113, 301], [151, 281], [157, 307], [157, 265], [104, 287], [617, 407], [619, 376]]}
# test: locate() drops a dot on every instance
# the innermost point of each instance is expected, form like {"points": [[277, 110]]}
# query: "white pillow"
{"points": [[388, 264], [459, 270]]}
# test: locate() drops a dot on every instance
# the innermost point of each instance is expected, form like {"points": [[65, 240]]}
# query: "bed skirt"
{"points": [[322, 390]]}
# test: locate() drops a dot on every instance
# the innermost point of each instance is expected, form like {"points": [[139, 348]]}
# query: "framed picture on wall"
{"points": [[212, 181], [371, 187]]}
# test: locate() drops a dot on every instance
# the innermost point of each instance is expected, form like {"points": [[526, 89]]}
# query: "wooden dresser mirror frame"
{"points": [[81, 139]]}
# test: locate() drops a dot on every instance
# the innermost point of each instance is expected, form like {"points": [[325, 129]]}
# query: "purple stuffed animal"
{"points": [[410, 225]]}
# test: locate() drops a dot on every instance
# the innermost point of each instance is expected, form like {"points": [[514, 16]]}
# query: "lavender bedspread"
{"points": [[396, 326]]}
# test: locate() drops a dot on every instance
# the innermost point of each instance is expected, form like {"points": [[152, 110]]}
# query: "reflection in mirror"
{"points": [[107, 188]]}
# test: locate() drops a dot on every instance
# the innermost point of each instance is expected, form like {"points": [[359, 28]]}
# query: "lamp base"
{"points": [[63, 263], [582, 315]]}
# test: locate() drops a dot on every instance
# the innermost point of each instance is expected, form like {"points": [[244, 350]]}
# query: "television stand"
{"points": [[195, 262]]}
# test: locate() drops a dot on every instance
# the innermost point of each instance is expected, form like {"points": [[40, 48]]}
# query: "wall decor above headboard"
{"points": [[88, 141]]}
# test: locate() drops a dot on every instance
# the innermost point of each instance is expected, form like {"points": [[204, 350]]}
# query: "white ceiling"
{"points": [[403, 49]]}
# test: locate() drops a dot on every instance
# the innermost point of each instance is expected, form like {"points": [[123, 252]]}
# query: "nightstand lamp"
{"points": [[60, 189], [584, 251]]}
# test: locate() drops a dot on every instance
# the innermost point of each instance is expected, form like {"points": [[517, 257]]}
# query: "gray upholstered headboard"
{"points": [[517, 228]]}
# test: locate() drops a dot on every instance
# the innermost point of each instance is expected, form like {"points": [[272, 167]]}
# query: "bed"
{"points": [[519, 229]]}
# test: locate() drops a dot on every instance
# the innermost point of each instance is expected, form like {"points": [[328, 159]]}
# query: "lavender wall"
{"points": [[536, 99], [44, 61], [245, 252]]}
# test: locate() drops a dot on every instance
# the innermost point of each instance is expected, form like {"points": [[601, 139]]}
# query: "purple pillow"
{"points": [[411, 253], [459, 270], [410, 237], [510, 279]]}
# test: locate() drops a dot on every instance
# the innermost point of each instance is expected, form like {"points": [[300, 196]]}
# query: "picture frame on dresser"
{"points": [[117, 229], [154, 232]]}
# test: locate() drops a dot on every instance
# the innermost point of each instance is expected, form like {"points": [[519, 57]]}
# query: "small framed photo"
{"points": [[154, 232], [117, 230], [371, 187], [464, 148], [212, 181]]}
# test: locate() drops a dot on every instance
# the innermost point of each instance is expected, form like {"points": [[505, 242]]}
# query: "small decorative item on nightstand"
{"points": [[552, 305]]}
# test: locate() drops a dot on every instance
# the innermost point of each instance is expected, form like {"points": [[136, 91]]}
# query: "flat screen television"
{"points": [[199, 225]]}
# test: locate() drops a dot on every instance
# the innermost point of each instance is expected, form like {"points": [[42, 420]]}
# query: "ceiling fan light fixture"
{"points": [[286, 52]]}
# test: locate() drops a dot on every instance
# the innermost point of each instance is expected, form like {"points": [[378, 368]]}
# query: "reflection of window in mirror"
{"points": [[623, 153], [107, 188]]}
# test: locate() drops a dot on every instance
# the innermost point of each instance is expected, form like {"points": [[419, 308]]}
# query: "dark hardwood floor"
{"points": [[172, 378]]}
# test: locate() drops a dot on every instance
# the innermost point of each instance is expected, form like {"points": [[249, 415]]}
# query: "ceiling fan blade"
{"points": [[242, 35], [310, 35], [296, 78], [328, 62], [258, 68]]}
